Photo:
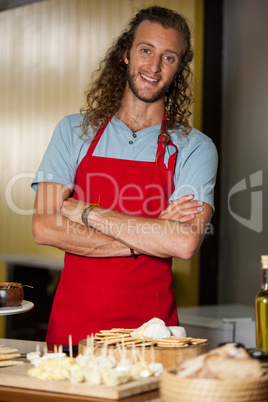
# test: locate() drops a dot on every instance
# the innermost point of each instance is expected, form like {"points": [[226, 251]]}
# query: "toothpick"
{"points": [[134, 354], [92, 343], [123, 348], [152, 354], [139, 355], [70, 347], [45, 349], [110, 352], [87, 350], [104, 349], [119, 349], [59, 358], [143, 351], [55, 348]]}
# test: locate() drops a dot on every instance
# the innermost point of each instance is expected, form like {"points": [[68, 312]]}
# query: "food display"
{"points": [[7, 355], [152, 333], [154, 340], [226, 362], [105, 360], [115, 337], [101, 369], [94, 370], [227, 373], [113, 364]]}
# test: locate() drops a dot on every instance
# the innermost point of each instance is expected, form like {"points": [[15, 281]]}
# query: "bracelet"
{"points": [[85, 213], [132, 254]]}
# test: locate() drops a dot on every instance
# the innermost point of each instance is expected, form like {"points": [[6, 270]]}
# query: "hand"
{"points": [[183, 209]]}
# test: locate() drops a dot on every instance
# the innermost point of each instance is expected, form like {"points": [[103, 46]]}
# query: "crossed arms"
{"points": [[177, 232]]}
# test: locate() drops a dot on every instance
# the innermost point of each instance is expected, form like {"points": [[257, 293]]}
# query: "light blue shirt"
{"points": [[196, 164]]}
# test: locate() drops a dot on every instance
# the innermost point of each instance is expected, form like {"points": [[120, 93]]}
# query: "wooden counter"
{"points": [[10, 394]]}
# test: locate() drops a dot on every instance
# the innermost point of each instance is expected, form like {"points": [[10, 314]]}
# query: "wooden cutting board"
{"points": [[16, 377], [168, 356]]}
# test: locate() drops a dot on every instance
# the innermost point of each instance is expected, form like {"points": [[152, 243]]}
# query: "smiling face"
{"points": [[153, 61]]}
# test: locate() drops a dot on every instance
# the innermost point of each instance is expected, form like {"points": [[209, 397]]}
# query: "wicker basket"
{"points": [[176, 389]]}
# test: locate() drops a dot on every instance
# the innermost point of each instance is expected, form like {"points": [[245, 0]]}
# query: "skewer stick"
{"points": [[143, 351], [110, 352], [87, 350], [119, 349], [104, 349], [92, 343], [55, 348], [134, 354], [70, 347], [123, 348], [152, 354], [139, 356], [59, 358]]}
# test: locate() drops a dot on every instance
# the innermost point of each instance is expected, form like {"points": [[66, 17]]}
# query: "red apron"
{"points": [[123, 292]]}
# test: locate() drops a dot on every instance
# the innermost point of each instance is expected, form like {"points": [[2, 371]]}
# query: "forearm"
{"points": [[178, 232], [158, 237], [57, 231], [51, 228]]}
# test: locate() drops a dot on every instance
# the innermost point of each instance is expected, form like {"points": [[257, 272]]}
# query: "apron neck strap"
{"points": [[162, 147]]}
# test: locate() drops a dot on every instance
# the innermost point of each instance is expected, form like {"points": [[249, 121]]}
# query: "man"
{"points": [[127, 186]]}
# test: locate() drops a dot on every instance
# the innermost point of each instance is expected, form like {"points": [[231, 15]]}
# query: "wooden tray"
{"points": [[169, 357], [16, 377]]}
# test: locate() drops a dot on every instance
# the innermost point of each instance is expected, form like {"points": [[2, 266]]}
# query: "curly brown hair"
{"points": [[104, 96]]}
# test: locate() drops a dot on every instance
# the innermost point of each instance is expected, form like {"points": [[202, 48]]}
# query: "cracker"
{"points": [[134, 341], [112, 336], [121, 330], [107, 342], [10, 363], [175, 339], [140, 342], [147, 343], [127, 337], [198, 341], [114, 339], [173, 344], [115, 330], [9, 356], [180, 342], [6, 350]]}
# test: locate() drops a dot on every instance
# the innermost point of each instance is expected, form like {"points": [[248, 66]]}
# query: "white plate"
{"points": [[26, 306]]}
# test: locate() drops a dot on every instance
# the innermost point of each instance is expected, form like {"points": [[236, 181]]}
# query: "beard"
{"points": [[143, 94]]}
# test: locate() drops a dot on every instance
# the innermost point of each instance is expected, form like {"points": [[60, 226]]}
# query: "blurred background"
{"points": [[49, 49]]}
